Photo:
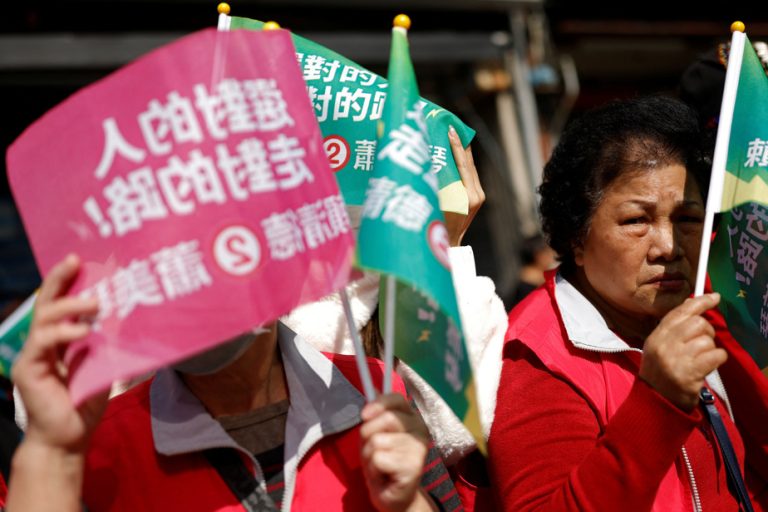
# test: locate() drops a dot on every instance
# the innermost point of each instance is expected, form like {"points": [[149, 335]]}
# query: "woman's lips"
{"points": [[674, 281]]}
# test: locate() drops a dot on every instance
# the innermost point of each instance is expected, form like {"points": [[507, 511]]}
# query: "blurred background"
{"points": [[514, 70]]}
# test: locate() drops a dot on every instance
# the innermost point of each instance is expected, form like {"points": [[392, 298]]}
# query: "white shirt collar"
{"points": [[584, 324], [587, 329]]}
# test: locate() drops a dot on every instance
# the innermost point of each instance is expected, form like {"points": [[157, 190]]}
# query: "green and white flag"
{"points": [[738, 260], [403, 236], [348, 101], [13, 333]]}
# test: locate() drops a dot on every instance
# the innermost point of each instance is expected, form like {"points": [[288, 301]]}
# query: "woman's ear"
{"points": [[578, 256]]}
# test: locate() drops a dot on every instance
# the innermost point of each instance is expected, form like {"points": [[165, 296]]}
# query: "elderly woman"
{"points": [[598, 403]]}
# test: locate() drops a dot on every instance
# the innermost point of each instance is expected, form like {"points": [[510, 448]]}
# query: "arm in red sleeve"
{"points": [[547, 451]]}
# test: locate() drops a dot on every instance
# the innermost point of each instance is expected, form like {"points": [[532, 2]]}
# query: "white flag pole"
{"points": [[362, 365], [224, 25], [389, 334], [224, 19], [715, 197]]}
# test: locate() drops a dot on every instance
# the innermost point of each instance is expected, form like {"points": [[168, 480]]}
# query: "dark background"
{"points": [[49, 49]]}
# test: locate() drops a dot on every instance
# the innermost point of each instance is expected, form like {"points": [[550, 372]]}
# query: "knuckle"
{"points": [[377, 443]]}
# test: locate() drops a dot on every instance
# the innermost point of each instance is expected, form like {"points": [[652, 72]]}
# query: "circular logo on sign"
{"points": [[236, 250], [437, 236], [337, 150]]}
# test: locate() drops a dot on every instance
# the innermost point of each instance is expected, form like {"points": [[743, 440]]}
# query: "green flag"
{"points": [[403, 235], [348, 101], [738, 261], [13, 333]]}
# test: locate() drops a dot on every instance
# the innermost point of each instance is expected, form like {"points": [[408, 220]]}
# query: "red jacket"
{"points": [[3, 491], [126, 472], [575, 429]]}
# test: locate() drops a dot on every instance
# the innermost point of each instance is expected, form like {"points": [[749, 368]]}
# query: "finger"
{"points": [[59, 279], [378, 441], [710, 360], [50, 337], [699, 345], [389, 421], [694, 306], [467, 171], [695, 326], [67, 307], [466, 166], [400, 453], [459, 156], [472, 171]]}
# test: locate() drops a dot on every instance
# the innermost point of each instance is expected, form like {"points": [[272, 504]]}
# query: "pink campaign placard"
{"points": [[194, 186]]}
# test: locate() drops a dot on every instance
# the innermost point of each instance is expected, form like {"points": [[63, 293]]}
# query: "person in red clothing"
{"points": [[598, 403], [262, 422]]}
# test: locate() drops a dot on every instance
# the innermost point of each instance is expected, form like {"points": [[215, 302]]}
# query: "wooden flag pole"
{"points": [[715, 197]]}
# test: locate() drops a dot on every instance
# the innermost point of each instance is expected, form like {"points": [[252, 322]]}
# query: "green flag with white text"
{"points": [[348, 101], [738, 261], [403, 234]]}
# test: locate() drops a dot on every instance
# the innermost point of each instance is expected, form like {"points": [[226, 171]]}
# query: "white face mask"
{"points": [[220, 356]]}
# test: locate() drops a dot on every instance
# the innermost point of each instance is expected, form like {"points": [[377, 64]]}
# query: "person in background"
{"points": [[616, 351], [261, 422], [536, 258]]}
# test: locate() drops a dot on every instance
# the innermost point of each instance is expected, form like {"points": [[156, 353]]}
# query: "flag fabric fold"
{"points": [[737, 260], [403, 234], [348, 100]]}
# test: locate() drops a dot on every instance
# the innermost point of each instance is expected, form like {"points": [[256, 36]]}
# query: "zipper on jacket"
{"points": [[692, 480], [688, 466]]}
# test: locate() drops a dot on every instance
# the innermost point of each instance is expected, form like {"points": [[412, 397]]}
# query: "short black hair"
{"points": [[531, 247], [642, 133]]}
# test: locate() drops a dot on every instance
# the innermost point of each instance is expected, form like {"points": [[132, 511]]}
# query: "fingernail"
{"points": [[451, 130]]}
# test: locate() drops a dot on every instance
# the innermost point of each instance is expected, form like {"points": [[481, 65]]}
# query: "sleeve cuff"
{"points": [[462, 262]]}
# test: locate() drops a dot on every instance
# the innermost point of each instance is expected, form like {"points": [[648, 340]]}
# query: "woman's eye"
{"points": [[633, 220], [696, 219]]}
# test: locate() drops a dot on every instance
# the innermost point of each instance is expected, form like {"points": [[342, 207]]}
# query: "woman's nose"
{"points": [[664, 244]]}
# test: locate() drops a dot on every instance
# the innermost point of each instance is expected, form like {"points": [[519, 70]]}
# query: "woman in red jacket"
{"points": [[598, 404]]}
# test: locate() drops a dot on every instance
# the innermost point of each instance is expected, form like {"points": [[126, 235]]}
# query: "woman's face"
{"points": [[642, 249]]}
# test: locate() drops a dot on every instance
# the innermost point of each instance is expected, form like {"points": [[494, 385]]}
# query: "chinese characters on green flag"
{"points": [[738, 264], [348, 101], [403, 234]]}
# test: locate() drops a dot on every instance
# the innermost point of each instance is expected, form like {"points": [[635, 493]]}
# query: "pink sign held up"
{"points": [[194, 187]]}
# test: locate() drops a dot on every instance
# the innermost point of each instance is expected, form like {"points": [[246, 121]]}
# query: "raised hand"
{"points": [[48, 465], [456, 223]]}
